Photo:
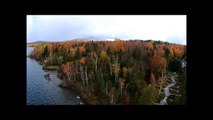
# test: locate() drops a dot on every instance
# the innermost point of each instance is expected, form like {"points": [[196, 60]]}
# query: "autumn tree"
{"points": [[111, 95], [149, 48], [158, 63], [45, 52], [60, 59], [103, 56], [178, 50], [167, 53], [124, 71], [94, 58], [116, 70], [152, 78], [121, 84], [82, 49], [84, 76], [149, 45], [72, 53], [82, 60], [78, 54], [68, 69], [50, 59], [38, 52]]}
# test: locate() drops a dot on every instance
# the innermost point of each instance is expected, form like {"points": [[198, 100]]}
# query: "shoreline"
{"points": [[60, 85]]}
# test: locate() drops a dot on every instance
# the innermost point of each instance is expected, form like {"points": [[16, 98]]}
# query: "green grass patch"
{"points": [[50, 67]]}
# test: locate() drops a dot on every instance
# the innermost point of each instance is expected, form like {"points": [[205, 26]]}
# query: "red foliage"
{"points": [[82, 49], [83, 60], [68, 68], [157, 62], [119, 46], [149, 45], [178, 50]]}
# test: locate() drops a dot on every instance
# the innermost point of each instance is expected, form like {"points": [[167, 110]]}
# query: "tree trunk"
{"points": [[96, 66], [82, 74], [74, 77], [116, 67], [106, 88], [102, 78], [116, 59], [112, 99], [159, 91], [86, 78], [121, 90], [110, 68], [68, 77], [162, 74]]}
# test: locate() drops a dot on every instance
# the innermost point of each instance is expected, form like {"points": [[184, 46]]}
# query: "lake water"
{"points": [[41, 91]]}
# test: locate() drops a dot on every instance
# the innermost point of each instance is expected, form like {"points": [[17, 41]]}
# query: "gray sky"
{"points": [[171, 28]]}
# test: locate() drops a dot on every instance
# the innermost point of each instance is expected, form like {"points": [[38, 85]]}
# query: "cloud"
{"points": [[62, 27]]}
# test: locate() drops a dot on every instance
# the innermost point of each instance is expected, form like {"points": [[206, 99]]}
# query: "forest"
{"points": [[119, 72]]}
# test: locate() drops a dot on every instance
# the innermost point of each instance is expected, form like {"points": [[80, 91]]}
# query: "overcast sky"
{"points": [[171, 28]]}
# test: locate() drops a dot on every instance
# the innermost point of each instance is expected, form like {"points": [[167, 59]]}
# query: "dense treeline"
{"points": [[113, 72]]}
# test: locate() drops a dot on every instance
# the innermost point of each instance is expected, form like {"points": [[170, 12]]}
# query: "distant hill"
{"points": [[38, 42], [94, 38], [33, 44]]}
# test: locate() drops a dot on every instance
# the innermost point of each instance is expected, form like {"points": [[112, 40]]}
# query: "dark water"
{"points": [[41, 91]]}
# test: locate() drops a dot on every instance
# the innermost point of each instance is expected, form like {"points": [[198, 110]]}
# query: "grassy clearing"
{"points": [[50, 67]]}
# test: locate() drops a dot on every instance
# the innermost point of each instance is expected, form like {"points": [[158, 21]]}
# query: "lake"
{"points": [[41, 91]]}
